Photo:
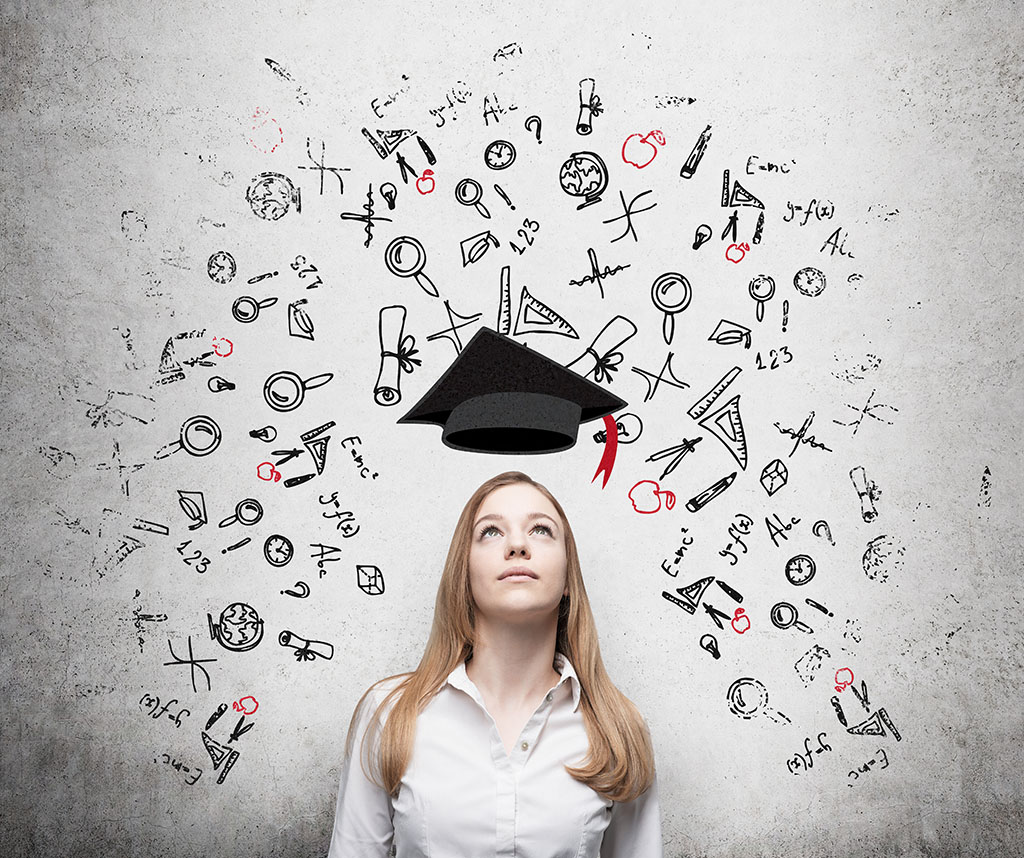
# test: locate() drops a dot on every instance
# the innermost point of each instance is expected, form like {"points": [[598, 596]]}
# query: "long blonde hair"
{"points": [[620, 763]]}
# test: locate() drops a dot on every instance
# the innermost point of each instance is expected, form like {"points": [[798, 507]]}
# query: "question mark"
{"points": [[535, 120], [820, 528], [301, 594]]}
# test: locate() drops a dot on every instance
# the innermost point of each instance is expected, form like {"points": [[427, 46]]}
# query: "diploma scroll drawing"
{"points": [[396, 355]]}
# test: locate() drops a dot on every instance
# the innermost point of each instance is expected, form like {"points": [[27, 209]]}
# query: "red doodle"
{"points": [[244, 705], [641, 148], [271, 475], [646, 497], [841, 682], [231, 346], [742, 248], [739, 619], [266, 129], [427, 177]]}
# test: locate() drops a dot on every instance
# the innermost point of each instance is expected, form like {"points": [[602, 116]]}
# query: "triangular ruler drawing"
{"points": [[505, 303], [387, 141], [742, 197], [221, 755], [168, 362], [875, 726], [536, 317], [727, 426], [318, 450], [692, 593]]}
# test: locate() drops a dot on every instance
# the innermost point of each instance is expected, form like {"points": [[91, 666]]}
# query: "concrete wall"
{"points": [[884, 143]]}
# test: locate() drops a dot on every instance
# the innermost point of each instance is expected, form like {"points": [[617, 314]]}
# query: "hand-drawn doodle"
{"points": [[299, 323], [747, 698], [425, 184], [247, 309], [628, 430], [740, 251], [716, 615], [868, 410], [693, 159], [654, 380], [638, 149], [138, 618], [727, 333], [496, 111], [368, 220], [864, 769], [709, 643], [590, 106], [406, 257], [192, 663], [152, 702], [536, 317], [386, 142], [691, 594], [396, 354], [240, 628], [835, 243], [985, 495], [239, 544], [531, 225], [702, 499], [451, 333], [761, 289], [726, 424], [248, 512], [758, 229], [221, 267], [268, 472], [701, 235], [278, 550], [778, 529], [133, 225], [627, 213], [357, 457], [671, 294], [774, 476], [325, 551], [740, 621], [319, 166], [785, 314], [271, 196], [285, 390], [267, 434], [810, 662], [246, 705], [883, 555], [474, 247], [193, 504], [875, 726], [191, 438], [220, 755], [801, 436], [533, 124], [739, 196], [678, 452], [648, 495], [218, 343], [103, 412], [265, 127], [839, 710], [819, 607], [805, 760], [306, 650], [116, 465], [301, 591], [867, 492], [601, 352], [499, 155], [785, 616], [390, 194], [800, 569], [369, 579], [501, 193], [216, 384], [687, 541], [821, 527], [841, 681], [596, 274], [468, 192], [809, 281], [425, 149], [584, 174]]}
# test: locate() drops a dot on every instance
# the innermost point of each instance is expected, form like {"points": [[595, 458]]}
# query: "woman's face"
{"points": [[517, 527]]}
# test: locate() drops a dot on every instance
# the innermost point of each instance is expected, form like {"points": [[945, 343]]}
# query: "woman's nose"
{"points": [[516, 546]]}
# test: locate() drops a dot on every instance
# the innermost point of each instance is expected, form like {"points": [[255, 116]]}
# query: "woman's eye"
{"points": [[543, 527], [488, 529]]}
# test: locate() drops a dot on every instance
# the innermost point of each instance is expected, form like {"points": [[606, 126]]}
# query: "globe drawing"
{"points": [[585, 175], [240, 627]]}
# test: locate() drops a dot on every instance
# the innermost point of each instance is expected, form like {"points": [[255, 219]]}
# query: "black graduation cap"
{"points": [[500, 396]]}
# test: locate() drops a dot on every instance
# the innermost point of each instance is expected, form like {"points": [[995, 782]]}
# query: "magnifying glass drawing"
{"points": [[761, 289], [285, 390], [671, 294], [247, 309], [199, 436], [784, 616], [247, 512], [468, 192], [405, 257], [748, 698]]}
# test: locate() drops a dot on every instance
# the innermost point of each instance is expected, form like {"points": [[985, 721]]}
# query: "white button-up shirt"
{"points": [[463, 796]]}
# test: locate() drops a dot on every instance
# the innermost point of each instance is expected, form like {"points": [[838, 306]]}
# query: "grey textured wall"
{"points": [[130, 138]]}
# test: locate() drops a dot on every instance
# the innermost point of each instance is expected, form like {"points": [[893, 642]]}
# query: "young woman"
{"points": [[509, 738]]}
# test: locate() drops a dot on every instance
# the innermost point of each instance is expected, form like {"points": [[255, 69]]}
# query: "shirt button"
{"points": [[525, 745]]}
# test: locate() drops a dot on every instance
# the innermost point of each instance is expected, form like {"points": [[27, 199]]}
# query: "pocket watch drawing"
{"points": [[278, 550], [499, 154]]}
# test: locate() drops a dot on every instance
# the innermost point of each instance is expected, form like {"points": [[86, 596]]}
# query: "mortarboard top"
{"points": [[499, 396]]}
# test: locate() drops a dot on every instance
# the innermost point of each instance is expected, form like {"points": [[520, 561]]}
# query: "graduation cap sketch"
{"points": [[500, 396]]}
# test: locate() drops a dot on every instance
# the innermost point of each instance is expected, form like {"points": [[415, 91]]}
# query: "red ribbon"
{"points": [[611, 442]]}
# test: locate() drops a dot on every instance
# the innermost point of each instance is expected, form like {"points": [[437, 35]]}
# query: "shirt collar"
{"points": [[458, 678]]}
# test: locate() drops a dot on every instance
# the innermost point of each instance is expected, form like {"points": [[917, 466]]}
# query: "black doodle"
{"points": [[133, 225], [701, 235], [319, 167], [123, 471], [717, 615], [709, 644], [390, 194], [370, 580], [601, 354], [774, 476], [868, 410], [702, 499], [596, 274], [748, 698], [303, 267], [627, 431], [778, 529], [103, 412], [867, 492], [138, 618], [238, 544], [247, 309], [820, 210], [739, 196], [693, 159], [501, 193], [499, 155], [819, 607], [678, 453], [583, 174], [474, 247], [836, 244], [758, 229], [762, 290], [627, 213], [839, 710], [731, 227], [267, 434], [875, 725], [425, 149], [536, 317], [533, 124], [397, 351], [221, 267], [325, 552], [785, 314], [801, 436], [278, 550], [405, 169], [198, 436], [864, 769], [735, 595], [406, 257], [809, 282], [590, 106], [368, 219], [775, 355], [680, 552], [299, 323], [285, 390], [300, 94], [882, 556], [690, 595], [192, 663], [805, 760], [985, 495], [860, 371], [248, 512], [344, 519], [203, 561], [240, 628], [495, 111], [384, 143], [800, 569], [654, 380], [737, 530], [153, 703], [301, 592], [728, 333], [671, 294], [468, 192], [216, 384], [726, 424], [306, 650], [528, 224], [271, 196], [451, 333]]}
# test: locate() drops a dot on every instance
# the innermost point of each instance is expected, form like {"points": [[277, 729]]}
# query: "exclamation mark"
{"points": [[245, 541], [261, 277], [785, 315], [504, 196]]}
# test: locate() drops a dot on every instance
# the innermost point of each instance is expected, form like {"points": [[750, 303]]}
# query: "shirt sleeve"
{"points": [[635, 827], [363, 826]]}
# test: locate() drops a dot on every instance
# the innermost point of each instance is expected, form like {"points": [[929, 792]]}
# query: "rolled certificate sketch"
{"points": [[396, 355], [587, 106], [306, 650], [690, 167], [600, 357]]}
